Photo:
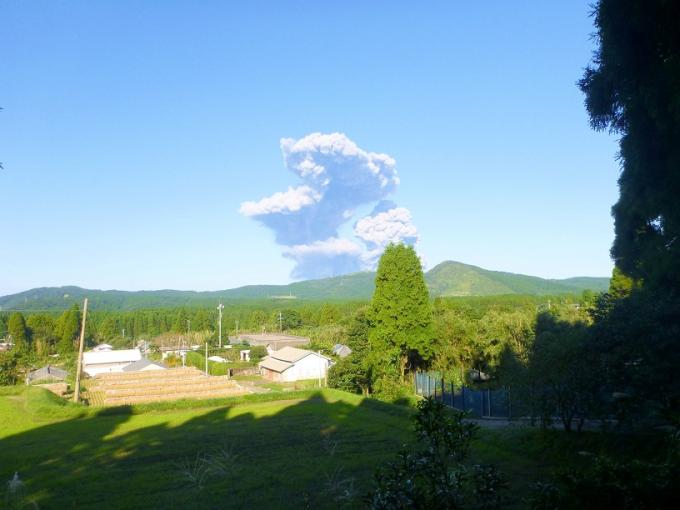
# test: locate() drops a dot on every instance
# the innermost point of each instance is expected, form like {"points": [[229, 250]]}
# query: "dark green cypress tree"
{"points": [[401, 336], [19, 332], [70, 325]]}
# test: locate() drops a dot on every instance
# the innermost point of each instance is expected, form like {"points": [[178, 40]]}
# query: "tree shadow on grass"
{"points": [[315, 453]]}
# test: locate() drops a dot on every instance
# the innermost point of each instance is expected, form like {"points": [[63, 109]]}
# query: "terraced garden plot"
{"points": [[123, 388]]}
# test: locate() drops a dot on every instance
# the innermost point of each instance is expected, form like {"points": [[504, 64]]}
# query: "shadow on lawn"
{"points": [[313, 453]]}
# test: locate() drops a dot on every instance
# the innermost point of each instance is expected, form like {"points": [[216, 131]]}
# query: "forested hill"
{"points": [[446, 279]]}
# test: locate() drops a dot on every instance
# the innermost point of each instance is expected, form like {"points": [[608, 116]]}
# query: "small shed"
{"points": [[46, 373], [217, 359], [102, 348]]}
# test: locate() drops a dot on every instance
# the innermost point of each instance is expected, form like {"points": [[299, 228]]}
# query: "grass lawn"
{"points": [[280, 453], [297, 449]]}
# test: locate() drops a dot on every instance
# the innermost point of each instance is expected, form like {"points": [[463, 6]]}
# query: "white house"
{"points": [[109, 361], [293, 364]]}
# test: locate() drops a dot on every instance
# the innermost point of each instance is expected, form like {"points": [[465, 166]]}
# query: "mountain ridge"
{"points": [[447, 279]]}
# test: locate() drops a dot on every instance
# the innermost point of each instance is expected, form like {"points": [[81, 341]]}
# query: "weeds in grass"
{"points": [[16, 497], [340, 488], [194, 471], [221, 461], [329, 444], [217, 462]]}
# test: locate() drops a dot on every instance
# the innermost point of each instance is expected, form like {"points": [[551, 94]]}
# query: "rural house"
{"points": [[109, 361], [292, 364]]}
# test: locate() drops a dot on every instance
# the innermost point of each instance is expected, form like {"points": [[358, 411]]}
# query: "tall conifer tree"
{"points": [[401, 336], [18, 331]]}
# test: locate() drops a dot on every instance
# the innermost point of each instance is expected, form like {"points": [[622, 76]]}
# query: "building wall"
{"points": [[309, 367], [105, 368], [270, 375]]}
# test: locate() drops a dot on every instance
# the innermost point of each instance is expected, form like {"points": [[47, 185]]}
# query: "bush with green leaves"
{"points": [[615, 483], [435, 475]]}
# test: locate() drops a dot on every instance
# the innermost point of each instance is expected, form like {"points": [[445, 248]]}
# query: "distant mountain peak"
{"points": [[448, 278]]}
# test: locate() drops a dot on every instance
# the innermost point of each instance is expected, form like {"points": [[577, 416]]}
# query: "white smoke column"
{"points": [[386, 224], [337, 176]]}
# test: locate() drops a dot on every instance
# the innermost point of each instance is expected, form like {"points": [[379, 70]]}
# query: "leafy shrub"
{"points": [[615, 484], [434, 476]]}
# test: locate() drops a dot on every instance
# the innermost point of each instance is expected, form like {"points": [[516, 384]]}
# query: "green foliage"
{"points": [[351, 374], [612, 483], [633, 89], [434, 475], [68, 329], [637, 347], [9, 368], [401, 336], [19, 332], [257, 352], [290, 319]]}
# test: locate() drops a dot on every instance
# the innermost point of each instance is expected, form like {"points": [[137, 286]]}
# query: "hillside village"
{"points": [[148, 374]]}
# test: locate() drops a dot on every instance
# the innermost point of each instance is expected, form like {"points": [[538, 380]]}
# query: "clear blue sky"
{"points": [[132, 132]]}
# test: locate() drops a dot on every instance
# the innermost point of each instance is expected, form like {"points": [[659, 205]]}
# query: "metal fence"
{"points": [[479, 403]]}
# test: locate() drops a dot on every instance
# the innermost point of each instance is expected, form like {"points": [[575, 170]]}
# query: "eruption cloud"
{"points": [[337, 176]]}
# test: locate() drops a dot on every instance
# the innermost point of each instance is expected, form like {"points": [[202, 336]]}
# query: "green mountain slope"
{"points": [[446, 279]]}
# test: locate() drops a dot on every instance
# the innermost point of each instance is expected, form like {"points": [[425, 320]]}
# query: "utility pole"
{"points": [[123, 335], [206, 358], [76, 392], [280, 322], [220, 307]]}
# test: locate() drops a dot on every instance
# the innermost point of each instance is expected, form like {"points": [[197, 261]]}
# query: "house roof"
{"points": [[47, 372], [140, 364], [274, 364], [102, 347], [120, 356], [293, 354]]}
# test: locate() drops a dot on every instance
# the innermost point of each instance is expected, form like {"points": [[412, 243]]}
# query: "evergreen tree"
{"points": [[401, 336], [19, 332], [633, 89], [41, 328], [70, 324]]}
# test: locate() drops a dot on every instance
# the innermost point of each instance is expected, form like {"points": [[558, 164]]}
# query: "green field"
{"points": [[287, 453], [302, 452]]}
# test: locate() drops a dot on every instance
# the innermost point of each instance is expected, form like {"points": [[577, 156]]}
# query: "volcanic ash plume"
{"points": [[336, 177]]}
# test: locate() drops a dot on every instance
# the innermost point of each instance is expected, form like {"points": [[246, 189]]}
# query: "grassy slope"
{"points": [[71, 456], [130, 457]]}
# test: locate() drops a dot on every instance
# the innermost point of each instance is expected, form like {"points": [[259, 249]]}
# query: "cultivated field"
{"points": [[123, 388]]}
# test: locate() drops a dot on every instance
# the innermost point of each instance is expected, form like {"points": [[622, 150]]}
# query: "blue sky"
{"points": [[132, 132]]}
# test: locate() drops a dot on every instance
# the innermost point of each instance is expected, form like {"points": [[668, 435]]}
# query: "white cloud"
{"points": [[282, 202]]}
